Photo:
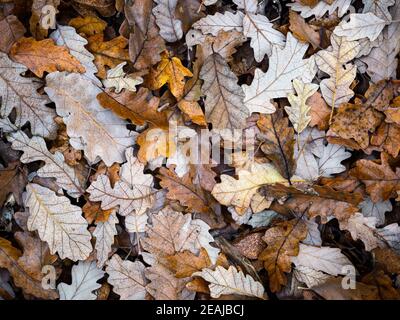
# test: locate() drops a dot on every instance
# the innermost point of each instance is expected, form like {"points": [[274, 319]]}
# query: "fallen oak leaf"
{"points": [[355, 121], [277, 140], [320, 201], [88, 26], [44, 56], [169, 70], [303, 31], [231, 281], [282, 243], [140, 108], [11, 30], [380, 180], [145, 43], [8, 259], [107, 53], [20, 94], [184, 190]]}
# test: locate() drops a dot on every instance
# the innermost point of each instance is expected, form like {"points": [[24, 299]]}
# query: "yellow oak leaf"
{"points": [[89, 26], [169, 70]]}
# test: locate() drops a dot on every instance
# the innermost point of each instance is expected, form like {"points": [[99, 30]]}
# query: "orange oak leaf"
{"points": [[44, 56], [107, 53]]}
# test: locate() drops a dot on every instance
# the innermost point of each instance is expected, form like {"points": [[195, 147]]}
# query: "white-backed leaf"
{"points": [[309, 276], [84, 281], [249, 6], [127, 278], [35, 149], [231, 281], [382, 60], [170, 27], [58, 222], [68, 37], [223, 96], [95, 130], [20, 94], [329, 260], [116, 78], [379, 8], [133, 193], [361, 25], [321, 8], [334, 62], [263, 35], [104, 234], [284, 66], [173, 232], [299, 110], [377, 210], [215, 23]]}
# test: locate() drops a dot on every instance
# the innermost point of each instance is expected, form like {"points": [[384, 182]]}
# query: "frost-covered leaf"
{"points": [[68, 37], [215, 23], [321, 8], [170, 27], [35, 149], [299, 110], [249, 6], [104, 234], [127, 278], [377, 210], [231, 281], [58, 222], [334, 62], [379, 8], [382, 60], [284, 65], [84, 281], [328, 260], [314, 158], [93, 129], [224, 97], [173, 232], [20, 94], [310, 276], [116, 78], [133, 193], [364, 228], [239, 192], [263, 35], [262, 219], [361, 25]]}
